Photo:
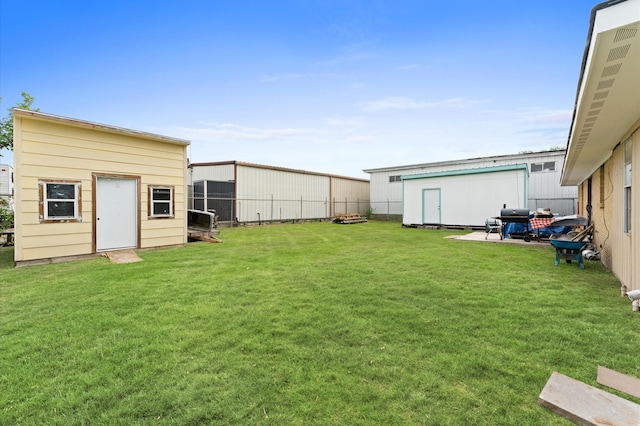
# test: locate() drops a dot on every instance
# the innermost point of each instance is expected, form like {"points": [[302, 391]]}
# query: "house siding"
{"points": [[55, 150]]}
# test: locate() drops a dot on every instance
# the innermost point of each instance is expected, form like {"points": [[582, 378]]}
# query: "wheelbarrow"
{"points": [[568, 249]]}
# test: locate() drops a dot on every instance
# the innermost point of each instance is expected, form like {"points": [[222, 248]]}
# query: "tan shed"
{"points": [[83, 188]]}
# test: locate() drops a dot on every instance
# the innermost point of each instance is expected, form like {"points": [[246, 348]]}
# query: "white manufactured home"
{"points": [[254, 193], [6, 183], [462, 197], [543, 187]]}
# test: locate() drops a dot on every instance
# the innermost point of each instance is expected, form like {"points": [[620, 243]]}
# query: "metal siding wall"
{"points": [[467, 200], [6, 185], [386, 197], [280, 195], [221, 173], [349, 195]]}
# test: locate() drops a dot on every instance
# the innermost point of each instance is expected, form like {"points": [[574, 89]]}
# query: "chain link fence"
{"points": [[230, 209]]}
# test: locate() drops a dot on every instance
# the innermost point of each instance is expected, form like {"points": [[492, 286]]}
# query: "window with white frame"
{"points": [[395, 178], [60, 201], [161, 201], [627, 186]]}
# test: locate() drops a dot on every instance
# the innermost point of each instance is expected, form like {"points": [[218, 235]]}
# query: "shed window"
{"points": [[547, 166], [161, 202], [395, 178], [60, 201]]}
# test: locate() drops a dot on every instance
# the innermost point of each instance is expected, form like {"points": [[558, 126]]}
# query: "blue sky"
{"points": [[322, 85]]}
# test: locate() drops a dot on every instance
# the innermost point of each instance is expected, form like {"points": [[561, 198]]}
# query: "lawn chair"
{"points": [[492, 226]]}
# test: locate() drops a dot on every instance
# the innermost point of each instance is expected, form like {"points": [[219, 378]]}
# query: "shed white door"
{"points": [[431, 206], [116, 213]]}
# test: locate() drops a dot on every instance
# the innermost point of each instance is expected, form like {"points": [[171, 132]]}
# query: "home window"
{"points": [[60, 201], [395, 178], [161, 201], [547, 166], [627, 186]]}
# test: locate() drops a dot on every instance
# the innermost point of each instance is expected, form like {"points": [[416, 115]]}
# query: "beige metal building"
{"points": [[254, 193], [604, 138], [83, 188]]}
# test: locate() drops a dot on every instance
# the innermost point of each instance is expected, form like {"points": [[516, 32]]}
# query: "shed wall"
{"points": [[466, 200], [544, 186], [53, 150]]}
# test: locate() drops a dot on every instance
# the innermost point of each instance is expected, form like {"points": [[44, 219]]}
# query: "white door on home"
{"points": [[116, 213]]}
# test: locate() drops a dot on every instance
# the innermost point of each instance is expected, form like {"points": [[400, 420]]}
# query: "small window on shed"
{"points": [[60, 201], [161, 202], [395, 178], [547, 166]]}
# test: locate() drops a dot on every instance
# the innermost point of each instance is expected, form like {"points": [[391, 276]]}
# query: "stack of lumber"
{"points": [[346, 218], [582, 235]]}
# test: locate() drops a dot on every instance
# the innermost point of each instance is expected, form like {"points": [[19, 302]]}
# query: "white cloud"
{"points": [[409, 103], [229, 131]]}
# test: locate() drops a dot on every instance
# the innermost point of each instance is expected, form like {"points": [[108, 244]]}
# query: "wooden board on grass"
{"points": [[586, 405], [618, 381]]}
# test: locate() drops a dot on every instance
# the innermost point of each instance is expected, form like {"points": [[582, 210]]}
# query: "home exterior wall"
{"points": [[265, 193], [619, 249], [544, 186], [55, 148], [466, 197]]}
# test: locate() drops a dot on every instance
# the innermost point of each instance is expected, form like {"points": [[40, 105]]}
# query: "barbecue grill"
{"points": [[516, 216]]}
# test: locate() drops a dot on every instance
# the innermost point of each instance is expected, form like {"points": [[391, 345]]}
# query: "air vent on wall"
{"points": [[600, 95], [596, 104], [605, 84], [624, 34], [611, 70], [618, 53]]}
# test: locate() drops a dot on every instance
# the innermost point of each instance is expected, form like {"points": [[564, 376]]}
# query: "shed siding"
{"points": [[54, 150], [544, 186], [466, 200]]}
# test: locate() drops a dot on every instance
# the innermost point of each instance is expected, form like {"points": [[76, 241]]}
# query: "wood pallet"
{"points": [[347, 218], [200, 235]]}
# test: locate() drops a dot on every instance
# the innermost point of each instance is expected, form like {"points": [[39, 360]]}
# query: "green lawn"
{"points": [[307, 324]]}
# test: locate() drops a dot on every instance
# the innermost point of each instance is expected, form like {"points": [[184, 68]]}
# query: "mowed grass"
{"points": [[307, 324]]}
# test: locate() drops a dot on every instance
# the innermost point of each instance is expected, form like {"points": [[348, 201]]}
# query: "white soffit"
{"points": [[608, 102]]}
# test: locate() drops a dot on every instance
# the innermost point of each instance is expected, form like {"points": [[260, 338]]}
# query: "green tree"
{"points": [[6, 123]]}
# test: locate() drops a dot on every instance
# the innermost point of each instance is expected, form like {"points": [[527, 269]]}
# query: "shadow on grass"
{"points": [[6, 257]]}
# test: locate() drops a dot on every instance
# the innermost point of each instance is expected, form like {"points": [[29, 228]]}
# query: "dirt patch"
{"points": [[122, 256]]}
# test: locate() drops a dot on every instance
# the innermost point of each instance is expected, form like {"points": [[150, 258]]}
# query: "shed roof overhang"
{"points": [[41, 116], [608, 96]]}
